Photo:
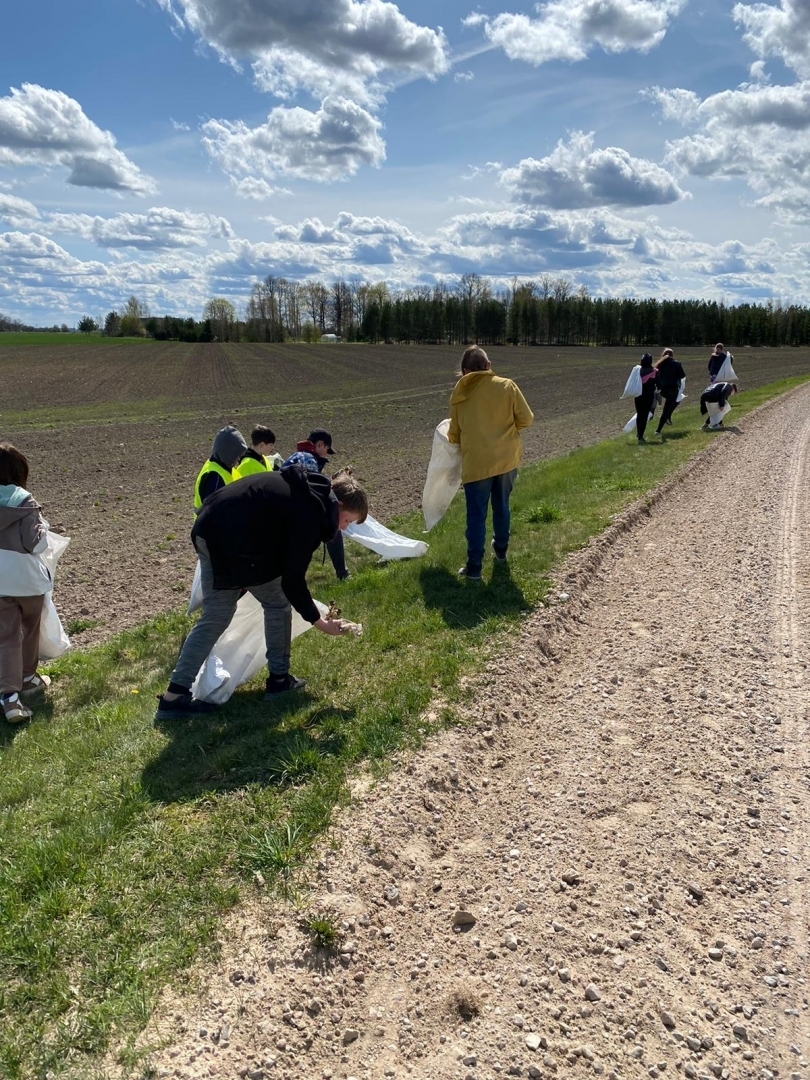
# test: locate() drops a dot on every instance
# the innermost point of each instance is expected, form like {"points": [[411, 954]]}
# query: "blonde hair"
{"points": [[667, 354], [349, 493]]}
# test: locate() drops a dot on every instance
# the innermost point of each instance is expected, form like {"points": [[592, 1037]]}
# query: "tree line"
{"points": [[546, 311]]}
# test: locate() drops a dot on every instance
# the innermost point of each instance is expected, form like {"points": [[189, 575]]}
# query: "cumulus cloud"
{"points": [[577, 175], [570, 29], [759, 133], [781, 30], [47, 128], [159, 228], [330, 144], [253, 187], [17, 212], [310, 45]]}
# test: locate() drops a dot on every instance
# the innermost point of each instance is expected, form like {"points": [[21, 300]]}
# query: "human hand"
{"points": [[333, 627]]}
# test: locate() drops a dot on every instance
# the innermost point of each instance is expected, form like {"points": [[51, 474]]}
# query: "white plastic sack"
{"points": [[633, 385], [385, 543], [53, 640], [631, 423], [240, 652], [716, 414], [681, 391], [443, 477], [727, 372], [195, 600]]}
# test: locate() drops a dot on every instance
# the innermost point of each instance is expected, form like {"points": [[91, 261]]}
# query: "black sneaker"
{"points": [[183, 706], [498, 553], [282, 685], [469, 573]]}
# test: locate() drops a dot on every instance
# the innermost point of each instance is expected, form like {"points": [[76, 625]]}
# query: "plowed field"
{"points": [[115, 435]]}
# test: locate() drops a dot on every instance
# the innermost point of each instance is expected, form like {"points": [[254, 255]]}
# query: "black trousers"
{"points": [[644, 404], [670, 396], [337, 554]]}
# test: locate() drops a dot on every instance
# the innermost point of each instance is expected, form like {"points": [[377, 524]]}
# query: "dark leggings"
{"points": [[644, 404], [337, 554], [670, 396]]}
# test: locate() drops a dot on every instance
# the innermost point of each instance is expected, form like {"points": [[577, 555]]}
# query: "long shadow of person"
{"points": [[245, 742], [466, 604]]}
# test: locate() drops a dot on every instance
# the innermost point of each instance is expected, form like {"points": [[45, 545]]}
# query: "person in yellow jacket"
{"points": [[260, 456], [226, 453], [487, 414]]}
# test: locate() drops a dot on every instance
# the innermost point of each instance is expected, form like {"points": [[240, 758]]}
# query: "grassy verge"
{"points": [[122, 843]]}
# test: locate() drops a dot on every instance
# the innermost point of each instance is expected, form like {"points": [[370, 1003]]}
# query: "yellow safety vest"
{"points": [[209, 467], [248, 466]]}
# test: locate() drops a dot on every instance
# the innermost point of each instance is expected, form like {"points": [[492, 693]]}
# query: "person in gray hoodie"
{"points": [[226, 452], [24, 580]]}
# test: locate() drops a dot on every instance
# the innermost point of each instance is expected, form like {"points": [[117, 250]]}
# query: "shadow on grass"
{"points": [[245, 742], [466, 604]]}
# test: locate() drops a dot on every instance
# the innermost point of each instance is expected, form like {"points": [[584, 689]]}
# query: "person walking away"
{"points": [[259, 534], [645, 402], [260, 456], [712, 402], [319, 446], [226, 452], [716, 361], [668, 375], [24, 581], [487, 414]]}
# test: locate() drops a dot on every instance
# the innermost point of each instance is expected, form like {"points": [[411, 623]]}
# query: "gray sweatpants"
{"points": [[218, 608]]}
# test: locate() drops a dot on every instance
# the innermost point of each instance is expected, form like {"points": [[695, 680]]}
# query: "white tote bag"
{"points": [[53, 641], [716, 413], [240, 652], [727, 372], [443, 477], [633, 386], [681, 390], [385, 543]]}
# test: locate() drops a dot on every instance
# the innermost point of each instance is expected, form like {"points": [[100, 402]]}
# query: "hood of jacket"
{"points": [[468, 384], [11, 495], [228, 446], [315, 486]]}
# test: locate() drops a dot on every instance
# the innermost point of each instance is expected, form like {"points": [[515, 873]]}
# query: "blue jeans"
{"points": [[479, 494]]}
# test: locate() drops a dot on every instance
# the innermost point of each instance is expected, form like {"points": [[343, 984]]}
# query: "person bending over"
{"points": [[712, 402], [319, 446]]}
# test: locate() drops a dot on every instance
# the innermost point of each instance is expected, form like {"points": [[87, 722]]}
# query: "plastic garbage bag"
{"points": [[681, 390], [385, 543], [53, 641], [443, 477], [633, 385], [631, 423], [715, 413], [195, 600], [240, 652], [727, 372]]}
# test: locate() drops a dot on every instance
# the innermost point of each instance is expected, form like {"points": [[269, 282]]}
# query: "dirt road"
{"points": [[607, 870]]}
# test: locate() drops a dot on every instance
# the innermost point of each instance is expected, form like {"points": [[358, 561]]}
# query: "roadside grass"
{"points": [[55, 337], [122, 843]]}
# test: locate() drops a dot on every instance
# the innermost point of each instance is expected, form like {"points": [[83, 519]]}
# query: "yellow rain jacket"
{"points": [[486, 415]]}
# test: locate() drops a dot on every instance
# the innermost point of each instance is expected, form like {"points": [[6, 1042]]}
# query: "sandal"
{"points": [[34, 684], [14, 710]]}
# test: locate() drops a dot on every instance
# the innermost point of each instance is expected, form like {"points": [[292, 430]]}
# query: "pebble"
{"points": [[533, 1041], [667, 1019], [462, 918], [695, 890], [593, 993], [715, 954], [350, 1035]]}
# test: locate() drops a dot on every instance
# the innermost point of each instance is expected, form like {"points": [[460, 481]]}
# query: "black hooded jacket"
{"points": [[267, 526]]}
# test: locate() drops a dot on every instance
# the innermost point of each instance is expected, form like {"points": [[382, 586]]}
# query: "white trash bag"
{"points": [[443, 477], [53, 641], [631, 423], [385, 543], [195, 600], [633, 386], [726, 372], [240, 652], [716, 414], [681, 390]]}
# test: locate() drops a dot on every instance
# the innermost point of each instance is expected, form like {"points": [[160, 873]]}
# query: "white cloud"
{"points": [[577, 175], [570, 29], [326, 145], [47, 128], [464, 76], [159, 228], [310, 45], [781, 30], [17, 212], [253, 187], [178, 125]]}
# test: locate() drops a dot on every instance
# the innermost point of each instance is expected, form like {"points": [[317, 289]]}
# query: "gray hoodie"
{"points": [[23, 536], [228, 446]]}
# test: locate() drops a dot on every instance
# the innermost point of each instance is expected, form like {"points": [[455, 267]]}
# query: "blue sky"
{"points": [[181, 149]]}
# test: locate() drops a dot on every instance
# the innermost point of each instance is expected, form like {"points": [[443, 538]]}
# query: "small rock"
{"points": [[740, 1032], [463, 918], [758, 943], [510, 942], [533, 1041], [350, 1035], [695, 890], [564, 975], [667, 1019], [715, 954], [593, 993]]}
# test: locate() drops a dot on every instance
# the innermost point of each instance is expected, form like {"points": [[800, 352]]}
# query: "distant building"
{"points": [[331, 338]]}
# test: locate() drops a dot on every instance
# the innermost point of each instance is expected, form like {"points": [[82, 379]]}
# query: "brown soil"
{"points": [[116, 434], [606, 870]]}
